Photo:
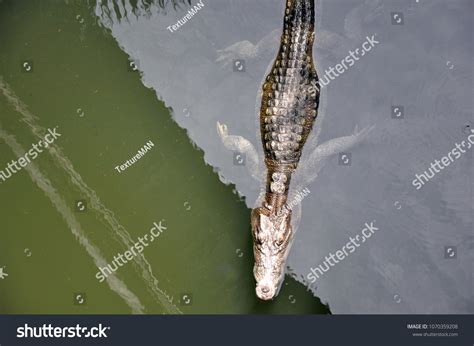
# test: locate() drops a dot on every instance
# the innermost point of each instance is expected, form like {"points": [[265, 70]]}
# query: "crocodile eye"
{"points": [[259, 236], [280, 239]]}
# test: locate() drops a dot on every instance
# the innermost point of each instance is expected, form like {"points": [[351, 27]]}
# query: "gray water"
{"points": [[422, 63]]}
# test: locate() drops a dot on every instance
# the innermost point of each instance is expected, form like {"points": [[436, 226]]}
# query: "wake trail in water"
{"points": [[61, 206], [96, 205]]}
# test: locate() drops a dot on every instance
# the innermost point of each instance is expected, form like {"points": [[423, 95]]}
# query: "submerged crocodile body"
{"points": [[288, 111]]}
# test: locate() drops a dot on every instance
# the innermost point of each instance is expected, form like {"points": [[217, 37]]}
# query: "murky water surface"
{"points": [[70, 210], [400, 106]]}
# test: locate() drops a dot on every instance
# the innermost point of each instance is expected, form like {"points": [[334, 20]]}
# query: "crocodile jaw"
{"points": [[272, 241]]}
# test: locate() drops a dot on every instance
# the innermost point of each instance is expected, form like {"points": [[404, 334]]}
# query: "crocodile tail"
{"points": [[298, 27]]}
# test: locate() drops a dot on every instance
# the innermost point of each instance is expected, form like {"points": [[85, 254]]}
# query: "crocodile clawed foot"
{"points": [[222, 130]]}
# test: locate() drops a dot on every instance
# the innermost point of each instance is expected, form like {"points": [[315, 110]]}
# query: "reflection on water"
{"points": [[117, 11]]}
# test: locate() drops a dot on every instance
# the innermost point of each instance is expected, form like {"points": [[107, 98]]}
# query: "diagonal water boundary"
{"points": [[96, 205], [61, 206]]}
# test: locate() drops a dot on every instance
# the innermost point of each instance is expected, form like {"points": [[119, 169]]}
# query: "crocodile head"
{"points": [[272, 234]]}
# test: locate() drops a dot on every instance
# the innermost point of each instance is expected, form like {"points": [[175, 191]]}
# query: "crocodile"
{"points": [[289, 107]]}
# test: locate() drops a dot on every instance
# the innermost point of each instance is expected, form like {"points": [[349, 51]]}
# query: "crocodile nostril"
{"points": [[265, 292]]}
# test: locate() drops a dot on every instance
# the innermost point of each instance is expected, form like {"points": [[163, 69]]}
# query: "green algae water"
{"points": [[70, 210]]}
